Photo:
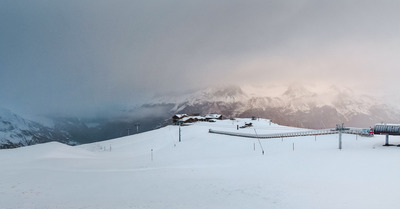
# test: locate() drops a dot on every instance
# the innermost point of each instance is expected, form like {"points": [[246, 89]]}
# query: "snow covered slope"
{"points": [[154, 170]]}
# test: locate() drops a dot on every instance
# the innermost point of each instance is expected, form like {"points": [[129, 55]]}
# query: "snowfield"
{"points": [[154, 170]]}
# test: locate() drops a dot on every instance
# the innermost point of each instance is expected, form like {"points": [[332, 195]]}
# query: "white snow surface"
{"points": [[204, 170]]}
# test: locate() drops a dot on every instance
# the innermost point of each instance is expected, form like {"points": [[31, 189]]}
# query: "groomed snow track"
{"points": [[289, 134]]}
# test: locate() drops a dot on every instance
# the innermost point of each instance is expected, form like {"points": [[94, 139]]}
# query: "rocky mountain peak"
{"points": [[298, 91], [227, 93], [296, 106], [16, 131]]}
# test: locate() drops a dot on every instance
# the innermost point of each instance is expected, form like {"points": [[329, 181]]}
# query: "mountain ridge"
{"points": [[296, 106], [17, 131]]}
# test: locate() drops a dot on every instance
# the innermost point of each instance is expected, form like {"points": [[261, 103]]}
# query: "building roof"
{"points": [[180, 115], [192, 117], [213, 116]]}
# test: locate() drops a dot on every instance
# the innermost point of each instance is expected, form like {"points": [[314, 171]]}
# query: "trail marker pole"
{"points": [[180, 132], [152, 155], [137, 127], [340, 139], [262, 149]]}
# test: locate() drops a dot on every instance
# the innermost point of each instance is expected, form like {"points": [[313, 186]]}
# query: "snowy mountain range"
{"points": [[16, 131], [296, 106]]}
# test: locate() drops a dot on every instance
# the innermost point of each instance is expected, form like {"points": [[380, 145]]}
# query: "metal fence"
{"points": [[290, 134]]}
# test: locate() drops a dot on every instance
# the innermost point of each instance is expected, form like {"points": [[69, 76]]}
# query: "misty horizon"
{"points": [[91, 57]]}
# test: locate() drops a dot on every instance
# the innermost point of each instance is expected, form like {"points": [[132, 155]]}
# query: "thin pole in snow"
{"points": [[137, 127], [258, 138], [151, 154], [180, 132]]}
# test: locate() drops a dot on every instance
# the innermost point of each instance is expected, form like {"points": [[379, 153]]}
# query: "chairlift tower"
{"points": [[341, 128]]}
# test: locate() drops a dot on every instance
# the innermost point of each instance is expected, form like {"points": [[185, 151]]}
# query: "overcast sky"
{"points": [[75, 56]]}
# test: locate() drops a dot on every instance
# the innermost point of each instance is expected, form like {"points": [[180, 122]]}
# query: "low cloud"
{"points": [[91, 56]]}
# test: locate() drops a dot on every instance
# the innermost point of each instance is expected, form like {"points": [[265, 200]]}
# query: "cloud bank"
{"points": [[74, 57]]}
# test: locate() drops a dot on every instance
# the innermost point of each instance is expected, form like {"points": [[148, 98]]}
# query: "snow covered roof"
{"points": [[213, 116], [180, 115], [192, 117], [386, 124]]}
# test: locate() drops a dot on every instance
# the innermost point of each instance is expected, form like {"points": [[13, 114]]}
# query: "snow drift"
{"points": [[154, 170]]}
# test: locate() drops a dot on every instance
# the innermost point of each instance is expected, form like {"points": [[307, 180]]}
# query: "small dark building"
{"points": [[178, 117], [387, 129]]}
